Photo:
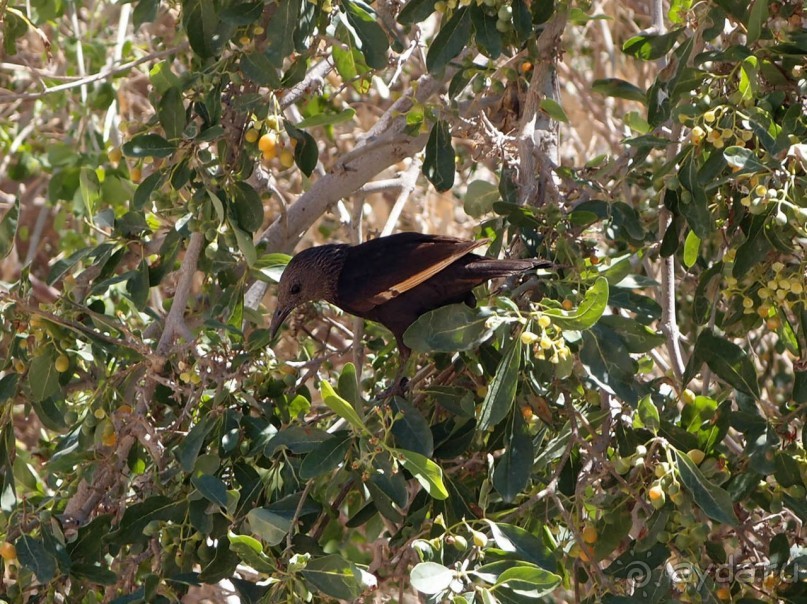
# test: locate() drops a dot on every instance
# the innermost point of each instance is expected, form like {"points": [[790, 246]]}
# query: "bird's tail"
{"points": [[492, 268]]}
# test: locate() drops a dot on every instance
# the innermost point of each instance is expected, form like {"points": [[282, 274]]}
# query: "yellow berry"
{"points": [[527, 338], [135, 174], [252, 135], [286, 158], [268, 142], [687, 396], [109, 440], [709, 116], [114, 155], [62, 363], [696, 455], [19, 366], [544, 321]]}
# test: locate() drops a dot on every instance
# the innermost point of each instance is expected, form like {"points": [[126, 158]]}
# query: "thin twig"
{"points": [[101, 75]]}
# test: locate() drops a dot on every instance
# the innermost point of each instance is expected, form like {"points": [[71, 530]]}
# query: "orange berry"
{"points": [[655, 492], [109, 440], [589, 534], [136, 174], [567, 304], [8, 551], [526, 66]]}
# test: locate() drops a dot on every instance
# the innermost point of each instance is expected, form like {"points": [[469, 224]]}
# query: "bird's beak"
{"points": [[277, 320]]}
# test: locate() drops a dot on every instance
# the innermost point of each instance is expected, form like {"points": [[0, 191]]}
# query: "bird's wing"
{"points": [[379, 270]]}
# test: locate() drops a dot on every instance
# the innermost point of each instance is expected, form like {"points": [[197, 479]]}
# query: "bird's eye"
{"points": [[295, 289]]}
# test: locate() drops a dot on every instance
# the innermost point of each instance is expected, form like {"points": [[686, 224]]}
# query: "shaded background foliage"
{"points": [[630, 426]]}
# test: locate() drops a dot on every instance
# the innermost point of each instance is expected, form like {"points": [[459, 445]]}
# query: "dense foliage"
{"points": [[627, 425]]}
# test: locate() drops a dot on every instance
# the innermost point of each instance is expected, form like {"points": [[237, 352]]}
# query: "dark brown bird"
{"points": [[391, 280]]}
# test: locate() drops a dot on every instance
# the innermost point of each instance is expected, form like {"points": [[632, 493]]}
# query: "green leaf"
{"points": [[43, 379], [522, 20], [251, 552], [450, 41], [341, 407], [326, 457], [268, 525], [519, 544], [588, 313], [488, 38], [148, 145], [90, 189], [201, 24], [512, 472], [528, 580], [32, 554], [188, 449], [212, 488], [247, 207], [334, 577], [142, 194], [619, 89], [138, 515], [374, 42], [348, 386], [647, 415], [8, 386], [651, 46], [416, 11], [280, 30], [410, 429], [502, 390], [439, 161], [756, 19], [745, 160], [306, 153], [712, 499], [328, 119], [246, 245], [554, 110], [638, 338], [729, 362], [8, 229], [696, 209], [480, 197], [260, 69], [692, 246], [137, 286], [448, 329], [425, 471], [171, 112], [431, 578]]}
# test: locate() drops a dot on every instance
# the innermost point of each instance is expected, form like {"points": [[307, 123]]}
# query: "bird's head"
{"points": [[310, 275]]}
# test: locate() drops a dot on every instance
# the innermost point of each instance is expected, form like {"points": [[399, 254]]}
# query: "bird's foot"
{"points": [[398, 388]]}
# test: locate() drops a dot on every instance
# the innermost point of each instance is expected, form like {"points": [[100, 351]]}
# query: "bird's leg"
{"points": [[400, 382]]}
